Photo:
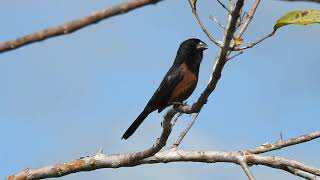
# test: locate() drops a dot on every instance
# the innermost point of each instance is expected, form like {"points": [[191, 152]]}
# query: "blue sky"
{"points": [[66, 97]]}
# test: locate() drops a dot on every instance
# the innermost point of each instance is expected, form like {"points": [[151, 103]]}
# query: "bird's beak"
{"points": [[202, 46]]}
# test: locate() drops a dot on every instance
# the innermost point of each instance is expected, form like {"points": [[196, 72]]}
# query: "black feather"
{"points": [[188, 54]]}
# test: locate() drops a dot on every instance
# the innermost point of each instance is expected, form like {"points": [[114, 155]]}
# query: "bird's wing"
{"points": [[159, 100]]}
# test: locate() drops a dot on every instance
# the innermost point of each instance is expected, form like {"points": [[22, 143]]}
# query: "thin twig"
{"points": [[75, 25], [237, 54], [185, 131], [283, 143], [254, 43], [249, 18], [212, 39], [224, 6], [217, 21]]}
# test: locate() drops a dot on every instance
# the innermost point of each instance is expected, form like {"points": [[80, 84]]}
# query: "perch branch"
{"points": [[217, 69], [219, 64]]}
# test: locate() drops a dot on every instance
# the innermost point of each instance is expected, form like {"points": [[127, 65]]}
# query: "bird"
{"points": [[178, 84]]}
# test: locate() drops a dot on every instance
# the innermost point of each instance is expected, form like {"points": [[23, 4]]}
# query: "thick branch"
{"points": [[112, 161], [99, 160], [74, 25]]}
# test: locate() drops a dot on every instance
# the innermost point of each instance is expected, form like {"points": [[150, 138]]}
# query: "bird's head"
{"points": [[194, 45], [191, 52]]}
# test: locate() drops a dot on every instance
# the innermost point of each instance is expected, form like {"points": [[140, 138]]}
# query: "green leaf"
{"points": [[298, 17]]}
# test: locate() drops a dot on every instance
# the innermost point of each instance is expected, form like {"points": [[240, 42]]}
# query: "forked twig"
{"points": [[194, 11]]}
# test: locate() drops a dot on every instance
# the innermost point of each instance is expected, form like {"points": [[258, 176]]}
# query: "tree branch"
{"points": [[75, 25], [283, 143], [153, 156], [302, 174], [245, 168], [185, 131], [99, 160], [254, 43], [249, 18], [194, 11]]}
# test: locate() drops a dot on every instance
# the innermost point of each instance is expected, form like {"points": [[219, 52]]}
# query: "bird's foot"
{"points": [[178, 105]]}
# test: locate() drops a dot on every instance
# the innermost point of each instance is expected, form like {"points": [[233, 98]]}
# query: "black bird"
{"points": [[178, 84]]}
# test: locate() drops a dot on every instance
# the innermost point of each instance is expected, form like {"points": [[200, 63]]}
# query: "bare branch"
{"points": [[99, 160], [254, 43], [282, 163], [302, 174], [74, 25], [224, 6], [218, 22], [185, 131], [175, 119], [194, 11], [245, 168], [173, 155], [249, 18], [283, 143], [237, 54]]}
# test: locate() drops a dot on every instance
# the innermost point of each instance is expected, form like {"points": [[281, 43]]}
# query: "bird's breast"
{"points": [[185, 87]]}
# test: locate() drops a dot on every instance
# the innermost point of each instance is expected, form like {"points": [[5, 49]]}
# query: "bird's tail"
{"points": [[134, 126]]}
